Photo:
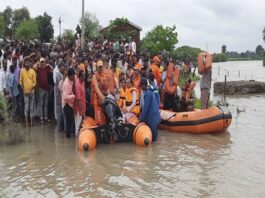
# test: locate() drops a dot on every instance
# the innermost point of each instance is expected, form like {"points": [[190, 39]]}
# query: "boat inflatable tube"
{"points": [[87, 140], [214, 119], [142, 135]]}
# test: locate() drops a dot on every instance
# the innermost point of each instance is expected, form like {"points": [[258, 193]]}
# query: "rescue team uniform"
{"points": [[99, 83]]}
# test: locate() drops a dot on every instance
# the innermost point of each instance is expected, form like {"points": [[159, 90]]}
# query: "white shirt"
{"points": [[133, 47], [2, 80]]}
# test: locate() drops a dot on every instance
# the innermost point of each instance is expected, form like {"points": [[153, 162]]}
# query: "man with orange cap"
{"points": [[99, 86], [156, 70]]}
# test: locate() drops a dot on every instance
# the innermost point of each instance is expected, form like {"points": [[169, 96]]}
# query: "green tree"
{"points": [[45, 27], [7, 14], [2, 25], [68, 35], [224, 49], [159, 39], [186, 52], [91, 25], [259, 51], [27, 30], [19, 16]]}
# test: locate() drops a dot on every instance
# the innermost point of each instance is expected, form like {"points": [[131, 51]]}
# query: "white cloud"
{"points": [[236, 23]]}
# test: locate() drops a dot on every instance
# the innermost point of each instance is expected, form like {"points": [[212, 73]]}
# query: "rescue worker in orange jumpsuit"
{"points": [[155, 67], [110, 77], [99, 88]]}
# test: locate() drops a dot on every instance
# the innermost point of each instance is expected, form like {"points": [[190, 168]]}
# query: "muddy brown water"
{"points": [[229, 164]]}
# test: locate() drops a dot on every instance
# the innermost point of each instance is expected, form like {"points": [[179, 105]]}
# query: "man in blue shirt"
{"points": [[150, 110]]}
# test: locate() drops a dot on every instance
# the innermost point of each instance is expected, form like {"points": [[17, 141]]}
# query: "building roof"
{"points": [[130, 23]]}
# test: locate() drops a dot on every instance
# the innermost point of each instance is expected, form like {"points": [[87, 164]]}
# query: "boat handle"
{"points": [[185, 116]]}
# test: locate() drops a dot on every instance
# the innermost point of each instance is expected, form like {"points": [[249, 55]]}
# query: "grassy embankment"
{"points": [[10, 131]]}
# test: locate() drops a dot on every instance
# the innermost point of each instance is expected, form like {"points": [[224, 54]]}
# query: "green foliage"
{"points": [[7, 14], [160, 38], [19, 16], [186, 52], [10, 131], [45, 27], [260, 51], [183, 79], [113, 33], [197, 103], [68, 35], [2, 25], [264, 60], [27, 30], [219, 58], [91, 25], [223, 49]]}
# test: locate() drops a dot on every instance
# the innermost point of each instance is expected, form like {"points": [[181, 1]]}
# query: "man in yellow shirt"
{"points": [[28, 82]]}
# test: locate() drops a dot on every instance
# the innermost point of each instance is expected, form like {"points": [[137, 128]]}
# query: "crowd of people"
{"points": [[65, 83]]}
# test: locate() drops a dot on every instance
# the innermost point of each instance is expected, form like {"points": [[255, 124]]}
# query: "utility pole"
{"points": [[83, 25]]}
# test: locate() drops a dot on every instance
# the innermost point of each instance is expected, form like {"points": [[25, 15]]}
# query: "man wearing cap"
{"points": [[99, 86], [110, 77], [156, 70], [150, 110], [27, 81], [43, 71]]}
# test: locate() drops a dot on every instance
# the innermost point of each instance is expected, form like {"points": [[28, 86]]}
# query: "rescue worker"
{"points": [[170, 86], [99, 86], [150, 110], [131, 107], [110, 77], [122, 90], [155, 67], [187, 101]]}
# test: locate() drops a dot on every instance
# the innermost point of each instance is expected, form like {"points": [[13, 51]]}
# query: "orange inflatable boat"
{"points": [[90, 134], [214, 119]]}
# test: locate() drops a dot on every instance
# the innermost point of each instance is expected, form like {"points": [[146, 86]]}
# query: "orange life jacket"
{"points": [[156, 71], [122, 98], [112, 85], [102, 85], [204, 62], [171, 82], [129, 100]]}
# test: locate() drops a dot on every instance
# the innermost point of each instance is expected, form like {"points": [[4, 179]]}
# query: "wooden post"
{"points": [[238, 73], [218, 71]]}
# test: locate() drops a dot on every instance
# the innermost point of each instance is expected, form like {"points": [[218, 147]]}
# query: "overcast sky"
{"points": [[200, 23]]}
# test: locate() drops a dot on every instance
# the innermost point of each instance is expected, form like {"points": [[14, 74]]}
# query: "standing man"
{"points": [[28, 82], [99, 86], [155, 67], [58, 98], [68, 100], [150, 110], [43, 71], [205, 86]]}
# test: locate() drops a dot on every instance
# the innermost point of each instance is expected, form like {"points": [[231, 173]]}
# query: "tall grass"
{"points": [[10, 131]]}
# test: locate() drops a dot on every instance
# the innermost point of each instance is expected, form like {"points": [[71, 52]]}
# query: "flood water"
{"points": [[229, 164]]}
